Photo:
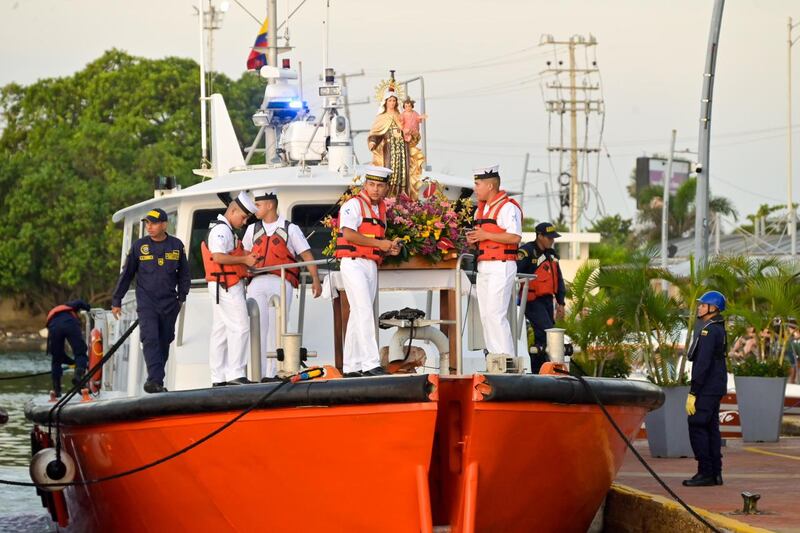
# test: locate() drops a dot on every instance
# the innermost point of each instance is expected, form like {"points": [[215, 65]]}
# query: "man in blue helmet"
{"points": [[709, 384]]}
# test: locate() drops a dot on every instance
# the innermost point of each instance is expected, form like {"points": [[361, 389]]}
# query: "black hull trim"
{"points": [[568, 390], [337, 392]]}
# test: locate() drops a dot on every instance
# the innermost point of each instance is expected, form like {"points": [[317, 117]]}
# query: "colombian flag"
{"points": [[258, 56]]}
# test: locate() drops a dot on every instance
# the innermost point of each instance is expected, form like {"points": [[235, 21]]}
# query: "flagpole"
{"points": [[272, 33]]}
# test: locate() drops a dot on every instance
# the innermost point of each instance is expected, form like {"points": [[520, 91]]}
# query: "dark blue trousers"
{"points": [[59, 332], [541, 315], [704, 435], [157, 332]]}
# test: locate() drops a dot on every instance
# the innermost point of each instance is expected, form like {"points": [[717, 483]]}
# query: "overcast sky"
{"points": [[650, 54]]}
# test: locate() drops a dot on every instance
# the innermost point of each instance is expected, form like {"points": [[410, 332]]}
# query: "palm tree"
{"points": [[681, 209], [648, 317]]}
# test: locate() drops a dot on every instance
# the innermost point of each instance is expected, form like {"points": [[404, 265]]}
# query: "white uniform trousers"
{"points": [[262, 289], [360, 279], [230, 333], [495, 283]]}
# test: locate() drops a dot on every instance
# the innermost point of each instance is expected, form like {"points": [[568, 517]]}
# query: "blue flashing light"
{"points": [[296, 104]]}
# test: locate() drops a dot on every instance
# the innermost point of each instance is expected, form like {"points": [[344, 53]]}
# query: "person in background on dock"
{"points": [[274, 241], [707, 353], [497, 233], [63, 325], [162, 282], [538, 257], [360, 247]]}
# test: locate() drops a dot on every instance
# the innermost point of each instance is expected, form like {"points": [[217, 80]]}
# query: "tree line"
{"points": [[75, 149]]}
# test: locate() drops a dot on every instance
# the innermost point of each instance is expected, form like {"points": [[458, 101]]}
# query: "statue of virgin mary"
{"points": [[389, 149]]}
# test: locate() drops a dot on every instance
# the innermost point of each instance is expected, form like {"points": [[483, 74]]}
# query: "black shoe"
{"points": [[219, 384], [268, 379], [700, 481], [718, 479], [240, 381], [377, 371], [150, 387], [355, 374]]}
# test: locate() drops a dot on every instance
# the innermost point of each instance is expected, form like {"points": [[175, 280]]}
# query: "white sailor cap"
{"points": [[375, 173], [265, 194], [486, 172], [246, 203]]}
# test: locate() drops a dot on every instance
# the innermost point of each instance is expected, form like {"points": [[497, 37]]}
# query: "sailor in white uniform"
{"points": [[360, 246], [497, 233], [230, 330], [274, 241]]}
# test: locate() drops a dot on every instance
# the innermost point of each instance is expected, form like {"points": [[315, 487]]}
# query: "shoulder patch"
{"points": [[704, 332], [521, 254]]}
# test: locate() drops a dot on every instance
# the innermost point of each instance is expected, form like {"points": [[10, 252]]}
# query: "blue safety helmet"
{"points": [[714, 298]]}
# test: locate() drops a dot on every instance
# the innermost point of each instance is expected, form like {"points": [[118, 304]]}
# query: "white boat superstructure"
{"points": [[310, 172]]}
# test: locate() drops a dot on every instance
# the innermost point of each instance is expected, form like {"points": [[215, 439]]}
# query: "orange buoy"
{"points": [[95, 355]]}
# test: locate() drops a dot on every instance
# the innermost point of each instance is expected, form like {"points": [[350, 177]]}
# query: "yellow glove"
{"points": [[690, 408]]}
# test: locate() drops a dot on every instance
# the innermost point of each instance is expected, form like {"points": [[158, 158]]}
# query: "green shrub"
{"points": [[769, 368]]}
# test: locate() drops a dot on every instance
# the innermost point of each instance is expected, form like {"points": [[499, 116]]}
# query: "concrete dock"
{"points": [[769, 469]]}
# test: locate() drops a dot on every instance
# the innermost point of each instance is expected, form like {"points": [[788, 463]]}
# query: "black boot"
{"points": [[57, 387], [700, 480], [718, 479]]}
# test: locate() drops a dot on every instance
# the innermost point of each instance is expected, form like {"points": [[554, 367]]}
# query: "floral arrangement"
{"points": [[430, 228]]}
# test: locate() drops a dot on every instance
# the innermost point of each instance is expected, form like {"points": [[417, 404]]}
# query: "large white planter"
{"points": [[668, 427], [760, 407]]}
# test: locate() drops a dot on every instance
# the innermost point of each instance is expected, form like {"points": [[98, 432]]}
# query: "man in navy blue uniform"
{"points": [[709, 384], [162, 282], [63, 325], [538, 257]]}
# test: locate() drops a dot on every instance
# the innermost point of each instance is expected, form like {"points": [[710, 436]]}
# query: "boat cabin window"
{"points": [[200, 221], [309, 218]]}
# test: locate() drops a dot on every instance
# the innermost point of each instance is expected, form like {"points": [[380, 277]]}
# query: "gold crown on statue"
{"points": [[385, 87]]}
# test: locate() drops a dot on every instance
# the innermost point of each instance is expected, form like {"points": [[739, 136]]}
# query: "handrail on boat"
{"points": [[459, 355]]}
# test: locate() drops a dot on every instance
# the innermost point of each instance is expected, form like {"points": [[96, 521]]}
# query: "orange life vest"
{"points": [[546, 282], [273, 250], [225, 275], [486, 219], [60, 309], [370, 227]]}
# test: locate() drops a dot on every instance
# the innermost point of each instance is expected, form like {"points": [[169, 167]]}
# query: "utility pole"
{"points": [[701, 196], [792, 217], [573, 104], [665, 208]]}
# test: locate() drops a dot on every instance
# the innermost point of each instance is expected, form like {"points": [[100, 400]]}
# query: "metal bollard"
{"points": [[555, 344], [750, 504], [291, 355]]}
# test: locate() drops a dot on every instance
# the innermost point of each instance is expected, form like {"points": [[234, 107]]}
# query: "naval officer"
{"points": [[162, 282], [538, 257], [360, 247], [497, 233], [226, 263], [274, 241], [708, 385]]}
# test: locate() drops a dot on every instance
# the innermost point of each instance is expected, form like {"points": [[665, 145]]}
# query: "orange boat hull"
{"points": [[458, 459]]}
